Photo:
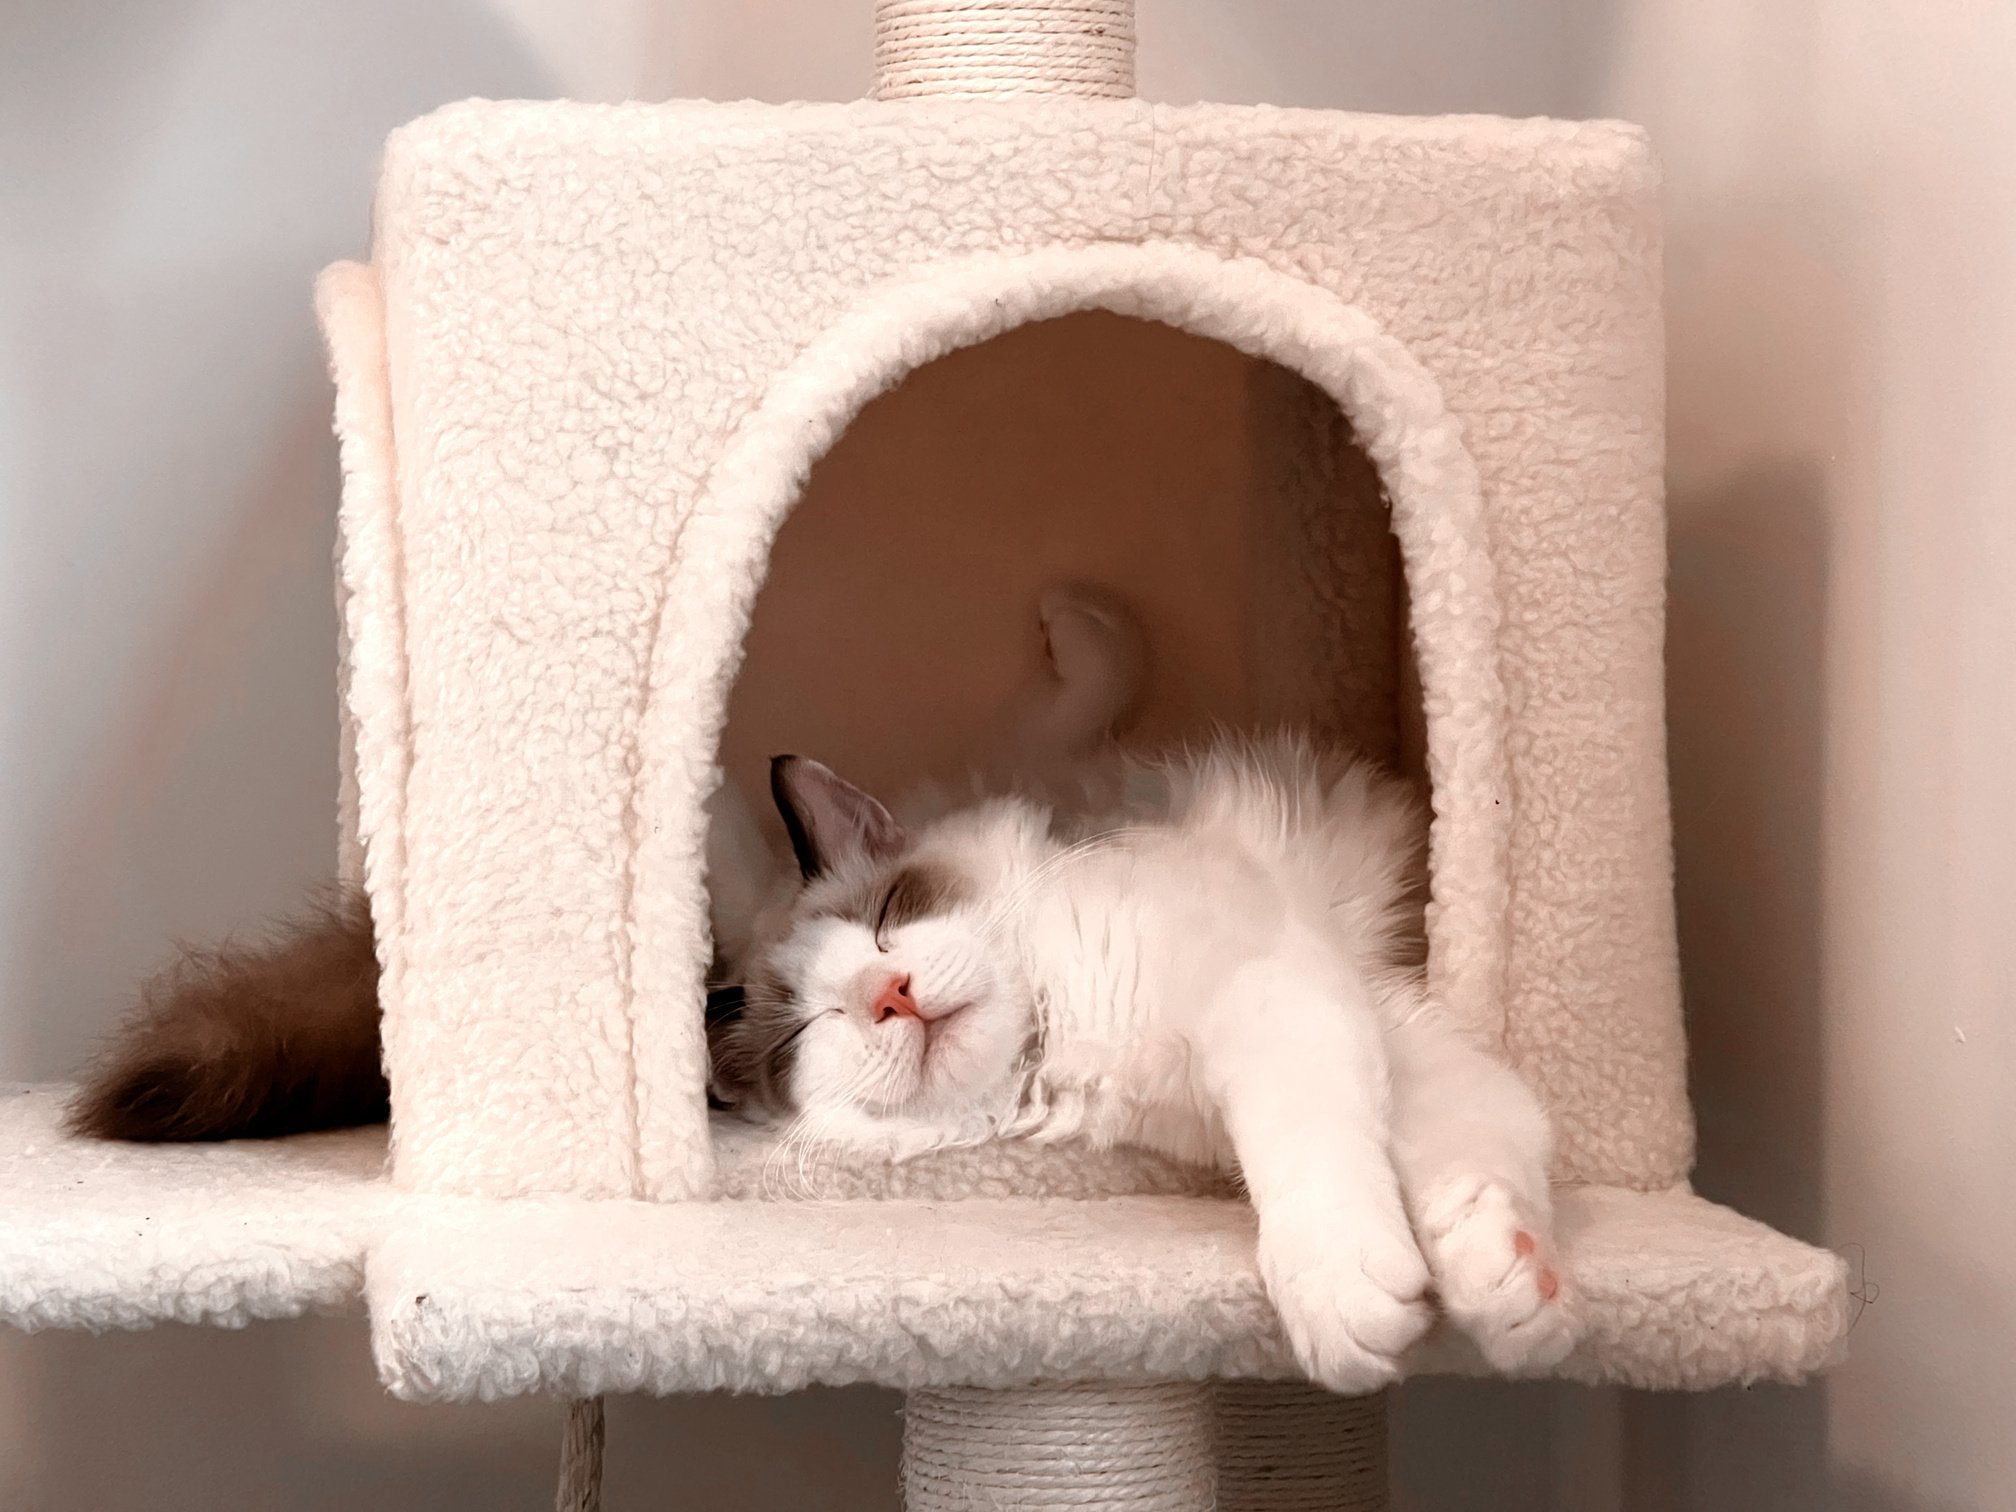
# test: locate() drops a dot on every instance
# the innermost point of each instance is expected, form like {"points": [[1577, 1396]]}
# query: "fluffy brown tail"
{"points": [[249, 1042]]}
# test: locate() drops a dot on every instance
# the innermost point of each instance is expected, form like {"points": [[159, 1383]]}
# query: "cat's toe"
{"points": [[1498, 1277], [1531, 1337], [1351, 1309], [1350, 1340]]}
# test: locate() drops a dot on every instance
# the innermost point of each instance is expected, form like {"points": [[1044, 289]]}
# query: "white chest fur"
{"points": [[1126, 953]]}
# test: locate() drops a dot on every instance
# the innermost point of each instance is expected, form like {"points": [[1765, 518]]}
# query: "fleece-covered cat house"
{"points": [[1363, 414]]}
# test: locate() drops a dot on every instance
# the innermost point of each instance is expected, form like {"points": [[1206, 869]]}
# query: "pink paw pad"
{"points": [[1517, 1307], [1550, 1284]]}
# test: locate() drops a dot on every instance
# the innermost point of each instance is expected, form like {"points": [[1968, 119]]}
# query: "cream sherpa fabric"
{"points": [[750, 1166], [908, 1285], [97, 1235], [598, 349], [482, 1298]]}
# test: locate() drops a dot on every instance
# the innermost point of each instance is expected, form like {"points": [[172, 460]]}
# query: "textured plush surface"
{"points": [[597, 350], [474, 1297], [749, 1166], [482, 1298], [121, 1236], [96, 1235]]}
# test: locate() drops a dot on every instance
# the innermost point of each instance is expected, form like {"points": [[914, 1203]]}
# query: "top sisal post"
{"points": [[996, 49]]}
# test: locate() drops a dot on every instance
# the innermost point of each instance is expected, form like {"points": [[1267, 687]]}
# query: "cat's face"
{"points": [[889, 987]]}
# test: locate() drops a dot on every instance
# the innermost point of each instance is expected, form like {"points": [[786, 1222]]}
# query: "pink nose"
{"points": [[895, 999]]}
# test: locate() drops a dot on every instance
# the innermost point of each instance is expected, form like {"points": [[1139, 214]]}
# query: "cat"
{"points": [[282, 1036], [1218, 966]]}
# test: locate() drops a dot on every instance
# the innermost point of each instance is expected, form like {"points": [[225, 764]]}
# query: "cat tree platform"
{"points": [[483, 1298], [105, 1236], [909, 1281]]}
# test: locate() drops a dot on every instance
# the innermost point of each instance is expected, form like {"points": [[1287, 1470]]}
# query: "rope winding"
{"points": [[1100, 1447], [1288, 1447], [973, 48], [581, 1458]]}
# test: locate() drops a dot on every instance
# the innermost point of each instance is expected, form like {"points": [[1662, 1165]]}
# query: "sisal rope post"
{"points": [[1285, 1446], [581, 1458], [1087, 1447], [969, 49]]}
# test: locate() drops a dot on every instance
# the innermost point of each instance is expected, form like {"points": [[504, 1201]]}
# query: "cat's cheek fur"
{"points": [[964, 1062], [843, 1064], [974, 1057]]}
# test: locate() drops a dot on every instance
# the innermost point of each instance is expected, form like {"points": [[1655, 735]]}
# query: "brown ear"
{"points": [[830, 820]]}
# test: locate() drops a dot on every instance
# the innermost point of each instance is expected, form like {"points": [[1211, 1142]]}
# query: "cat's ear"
{"points": [[830, 820]]}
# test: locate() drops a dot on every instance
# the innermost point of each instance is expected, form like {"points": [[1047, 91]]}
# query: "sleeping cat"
{"points": [[1214, 967]]}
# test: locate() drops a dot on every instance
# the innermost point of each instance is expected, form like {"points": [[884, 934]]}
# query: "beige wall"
{"points": [[1844, 368], [1842, 277]]}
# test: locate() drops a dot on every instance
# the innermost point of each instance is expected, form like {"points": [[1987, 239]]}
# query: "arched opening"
{"points": [[1344, 528], [1224, 497]]}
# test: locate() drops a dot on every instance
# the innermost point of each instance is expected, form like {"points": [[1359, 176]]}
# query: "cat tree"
{"points": [[582, 383]]}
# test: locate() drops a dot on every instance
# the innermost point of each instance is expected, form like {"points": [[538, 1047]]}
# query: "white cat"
{"points": [[1215, 966]]}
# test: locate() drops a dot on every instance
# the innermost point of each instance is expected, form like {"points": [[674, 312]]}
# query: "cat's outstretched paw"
{"points": [[1353, 1297], [1497, 1275]]}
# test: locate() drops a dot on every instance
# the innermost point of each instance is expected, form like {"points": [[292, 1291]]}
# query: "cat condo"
{"points": [[1362, 414]]}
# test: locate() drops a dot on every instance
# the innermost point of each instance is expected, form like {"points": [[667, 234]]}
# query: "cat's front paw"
{"points": [[1353, 1296], [1497, 1275]]}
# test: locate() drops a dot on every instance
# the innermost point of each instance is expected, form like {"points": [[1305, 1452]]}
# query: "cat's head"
{"points": [[890, 985]]}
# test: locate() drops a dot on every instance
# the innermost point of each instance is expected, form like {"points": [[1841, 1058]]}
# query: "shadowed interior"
{"points": [[1222, 495]]}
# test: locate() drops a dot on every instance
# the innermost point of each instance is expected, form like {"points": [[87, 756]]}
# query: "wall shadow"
{"points": [[1746, 623], [1750, 551]]}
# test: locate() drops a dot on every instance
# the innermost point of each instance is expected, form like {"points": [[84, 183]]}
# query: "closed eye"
{"points": [[801, 1026], [881, 930]]}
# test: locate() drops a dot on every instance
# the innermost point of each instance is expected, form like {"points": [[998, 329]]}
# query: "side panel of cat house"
{"points": [[615, 340]]}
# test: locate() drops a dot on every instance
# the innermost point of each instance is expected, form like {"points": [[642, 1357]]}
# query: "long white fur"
{"points": [[1206, 960], [1220, 985], [1211, 967]]}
